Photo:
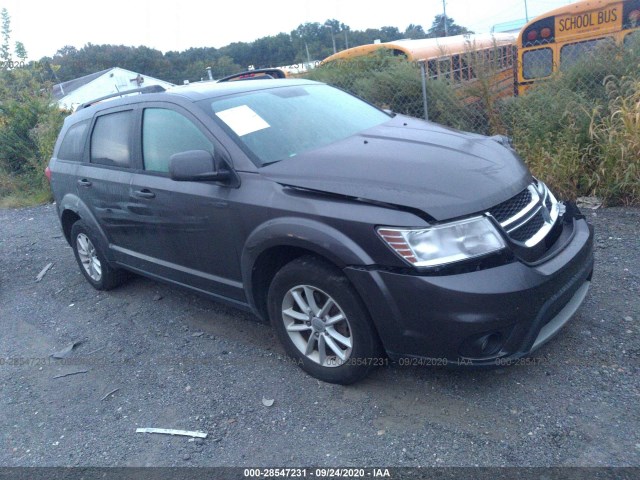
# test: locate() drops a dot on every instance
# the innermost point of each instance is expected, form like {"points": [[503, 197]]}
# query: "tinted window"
{"points": [[283, 122], [72, 146], [111, 139], [574, 52], [537, 63], [164, 133]]}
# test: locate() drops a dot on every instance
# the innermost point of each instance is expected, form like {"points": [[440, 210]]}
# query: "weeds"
{"points": [[29, 124], [579, 130], [615, 148]]}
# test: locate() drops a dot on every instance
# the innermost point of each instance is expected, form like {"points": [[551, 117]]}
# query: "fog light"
{"points": [[482, 346]]}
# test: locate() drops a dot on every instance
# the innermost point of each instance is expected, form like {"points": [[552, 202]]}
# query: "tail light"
{"points": [[47, 173], [539, 33]]}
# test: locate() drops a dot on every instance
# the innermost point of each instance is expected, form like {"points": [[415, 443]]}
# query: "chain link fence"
{"points": [[461, 91], [476, 90], [573, 112]]}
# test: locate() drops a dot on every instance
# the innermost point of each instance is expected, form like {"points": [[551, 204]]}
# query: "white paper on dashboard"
{"points": [[242, 120]]}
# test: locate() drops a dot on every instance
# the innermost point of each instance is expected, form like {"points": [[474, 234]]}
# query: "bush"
{"points": [[395, 84], [579, 130], [614, 153], [29, 124]]}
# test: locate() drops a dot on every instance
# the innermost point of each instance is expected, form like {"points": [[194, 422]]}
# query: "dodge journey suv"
{"points": [[358, 234]]}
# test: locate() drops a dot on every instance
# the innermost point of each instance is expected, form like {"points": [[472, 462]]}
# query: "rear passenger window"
{"points": [[111, 139], [72, 146], [165, 133]]}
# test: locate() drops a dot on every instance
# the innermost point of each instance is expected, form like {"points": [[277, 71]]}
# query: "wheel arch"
{"points": [[73, 209], [278, 242]]}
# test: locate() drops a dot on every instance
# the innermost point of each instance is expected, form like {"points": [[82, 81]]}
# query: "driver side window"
{"points": [[165, 133]]}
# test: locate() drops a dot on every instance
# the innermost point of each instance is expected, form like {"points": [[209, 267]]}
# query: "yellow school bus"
{"points": [[456, 59], [558, 39]]}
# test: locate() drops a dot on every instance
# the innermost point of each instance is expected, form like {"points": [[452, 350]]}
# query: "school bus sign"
{"points": [[604, 20]]}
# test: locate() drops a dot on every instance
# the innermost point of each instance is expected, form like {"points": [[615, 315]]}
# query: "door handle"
{"points": [[84, 183], [144, 193]]}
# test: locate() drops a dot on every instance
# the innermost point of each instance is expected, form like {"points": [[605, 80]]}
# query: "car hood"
{"points": [[411, 163]]}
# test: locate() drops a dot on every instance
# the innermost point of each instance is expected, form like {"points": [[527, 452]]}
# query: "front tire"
{"points": [[91, 260], [321, 321]]}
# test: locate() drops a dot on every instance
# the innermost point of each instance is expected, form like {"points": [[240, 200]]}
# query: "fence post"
{"points": [[423, 75]]}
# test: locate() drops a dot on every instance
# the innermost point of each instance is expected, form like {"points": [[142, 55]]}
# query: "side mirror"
{"points": [[195, 166]]}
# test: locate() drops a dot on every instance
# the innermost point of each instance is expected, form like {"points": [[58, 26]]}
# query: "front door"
{"points": [[185, 228]]}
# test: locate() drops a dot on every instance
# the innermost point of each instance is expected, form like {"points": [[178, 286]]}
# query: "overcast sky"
{"points": [[44, 27]]}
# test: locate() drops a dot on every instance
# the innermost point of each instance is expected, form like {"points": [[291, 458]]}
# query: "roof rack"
{"points": [[257, 74], [149, 89]]}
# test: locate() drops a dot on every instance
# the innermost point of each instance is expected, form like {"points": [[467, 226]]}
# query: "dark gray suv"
{"points": [[359, 234]]}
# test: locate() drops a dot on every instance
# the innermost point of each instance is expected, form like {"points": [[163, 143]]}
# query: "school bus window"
{"points": [[461, 69], [467, 73], [509, 56], [433, 69], [506, 57], [470, 59], [572, 53], [457, 72], [490, 56], [537, 63], [444, 68], [632, 39]]}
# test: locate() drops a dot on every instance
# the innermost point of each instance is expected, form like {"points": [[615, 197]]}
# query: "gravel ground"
{"points": [[181, 361]]}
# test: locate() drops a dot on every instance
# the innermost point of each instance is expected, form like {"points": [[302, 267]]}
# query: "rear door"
{"points": [[103, 182]]}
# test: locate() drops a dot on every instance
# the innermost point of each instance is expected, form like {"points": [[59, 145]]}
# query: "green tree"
{"points": [[5, 48], [21, 51], [414, 32], [437, 27]]}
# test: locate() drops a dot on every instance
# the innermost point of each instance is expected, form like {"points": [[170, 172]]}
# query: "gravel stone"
{"points": [[576, 405]]}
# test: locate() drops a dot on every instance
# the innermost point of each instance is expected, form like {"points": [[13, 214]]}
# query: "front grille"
{"points": [[529, 229], [511, 207], [528, 216]]}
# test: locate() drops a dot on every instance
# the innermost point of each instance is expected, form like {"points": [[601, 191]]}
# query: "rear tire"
{"points": [[91, 259], [322, 322]]}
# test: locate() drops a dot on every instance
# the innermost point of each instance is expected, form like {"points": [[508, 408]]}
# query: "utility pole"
{"points": [[333, 38], [526, 11], [444, 10], [346, 40]]}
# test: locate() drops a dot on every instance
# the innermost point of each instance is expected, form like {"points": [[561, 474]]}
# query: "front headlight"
{"points": [[446, 243]]}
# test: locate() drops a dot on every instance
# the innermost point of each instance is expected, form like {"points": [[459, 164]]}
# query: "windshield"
{"points": [[281, 123]]}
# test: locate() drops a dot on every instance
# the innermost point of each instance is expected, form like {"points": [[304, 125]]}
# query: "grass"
{"points": [[578, 131], [25, 199], [23, 191]]}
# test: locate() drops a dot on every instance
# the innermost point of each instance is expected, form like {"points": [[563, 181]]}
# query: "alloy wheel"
{"points": [[89, 257], [317, 326]]}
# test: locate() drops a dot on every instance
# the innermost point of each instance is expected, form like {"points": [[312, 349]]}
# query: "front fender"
{"points": [[304, 233]]}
